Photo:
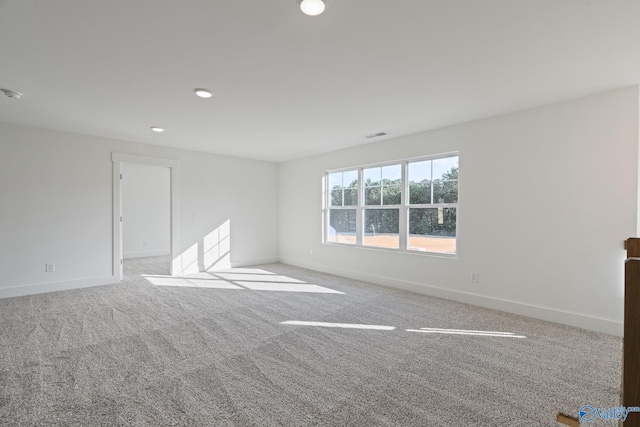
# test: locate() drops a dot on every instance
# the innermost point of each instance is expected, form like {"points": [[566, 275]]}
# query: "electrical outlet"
{"points": [[310, 251], [50, 267], [475, 277], [144, 243], [193, 215]]}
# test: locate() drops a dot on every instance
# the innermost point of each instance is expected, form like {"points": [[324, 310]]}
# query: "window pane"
{"points": [[446, 168], [335, 180], [350, 179], [420, 182], [342, 226], [420, 193], [381, 228], [336, 198], [372, 196], [445, 192], [432, 230], [371, 176], [391, 174], [351, 197], [342, 180], [391, 195], [420, 171]]}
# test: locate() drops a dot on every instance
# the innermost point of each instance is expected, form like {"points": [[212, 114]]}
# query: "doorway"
{"points": [[137, 167], [146, 240]]}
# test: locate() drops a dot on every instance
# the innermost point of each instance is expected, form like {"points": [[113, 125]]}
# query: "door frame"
{"points": [[118, 159]]}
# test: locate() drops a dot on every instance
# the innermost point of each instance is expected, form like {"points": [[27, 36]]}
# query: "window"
{"points": [[433, 205], [343, 200], [383, 195], [409, 205]]}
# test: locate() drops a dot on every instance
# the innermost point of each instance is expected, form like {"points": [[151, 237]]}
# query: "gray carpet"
{"points": [[210, 350]]}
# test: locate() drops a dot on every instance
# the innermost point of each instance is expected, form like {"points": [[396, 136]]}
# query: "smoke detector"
{"points": [[11, 93]]}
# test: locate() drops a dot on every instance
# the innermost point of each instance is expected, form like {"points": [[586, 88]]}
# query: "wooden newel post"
{"points": [[631, 342]]}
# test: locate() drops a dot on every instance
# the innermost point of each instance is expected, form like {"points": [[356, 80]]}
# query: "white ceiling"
{"points": [[287, 85]]}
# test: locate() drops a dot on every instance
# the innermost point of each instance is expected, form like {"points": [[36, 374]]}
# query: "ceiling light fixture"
{"points": [[157, 129], [11, 93], [203, 93], [312, 7]]}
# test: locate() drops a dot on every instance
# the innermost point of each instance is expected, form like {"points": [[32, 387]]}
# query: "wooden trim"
{"points": [[567, 420], [631, 341], [632, 246]]}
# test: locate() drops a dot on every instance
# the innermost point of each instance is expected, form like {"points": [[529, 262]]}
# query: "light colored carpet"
{"points": [[212, 350]]}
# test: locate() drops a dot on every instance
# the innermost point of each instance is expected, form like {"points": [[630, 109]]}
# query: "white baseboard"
{"points": [[41, 288], [143, 254], [564, 317]]}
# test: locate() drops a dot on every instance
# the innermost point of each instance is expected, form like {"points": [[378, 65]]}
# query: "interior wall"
{"points": [[146, 223], [56, 197], [546, 198]]}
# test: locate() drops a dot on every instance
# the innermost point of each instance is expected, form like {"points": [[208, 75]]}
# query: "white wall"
{"points": [[547, 197], [146, 198], [56, 206], [551, 249]]}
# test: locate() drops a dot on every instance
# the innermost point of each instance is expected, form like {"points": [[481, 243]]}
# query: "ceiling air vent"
{"points": [[11, 93], [376, 135]]}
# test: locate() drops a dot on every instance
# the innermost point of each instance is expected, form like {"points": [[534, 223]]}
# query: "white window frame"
{"points": [[403, 207]]}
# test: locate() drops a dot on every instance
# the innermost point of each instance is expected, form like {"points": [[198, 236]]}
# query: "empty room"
{"points": [[319, 212]]}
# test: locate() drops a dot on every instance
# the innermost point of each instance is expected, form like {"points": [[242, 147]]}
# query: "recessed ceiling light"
{"points": [[203, 93], [312, 7], [157, 129]]}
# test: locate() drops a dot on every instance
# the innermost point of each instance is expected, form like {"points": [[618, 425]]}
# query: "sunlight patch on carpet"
{"points": [[189, 283], [217, 281], [466, 332], [287, 287], [338, 325]]}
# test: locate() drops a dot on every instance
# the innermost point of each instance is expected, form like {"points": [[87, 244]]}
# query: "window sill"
{"points": [[401, 251]]}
